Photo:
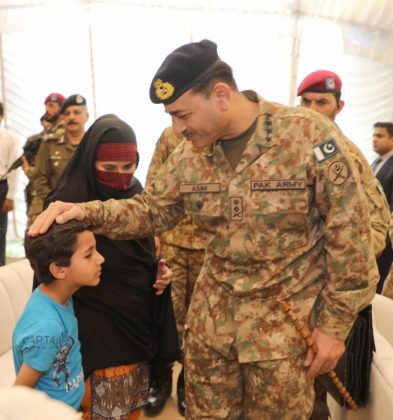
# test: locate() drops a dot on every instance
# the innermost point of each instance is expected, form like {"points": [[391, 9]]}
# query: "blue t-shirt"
{"points": [[46, 339]]}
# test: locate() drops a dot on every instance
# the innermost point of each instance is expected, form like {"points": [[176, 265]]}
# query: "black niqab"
{"points": [[117, 319]]}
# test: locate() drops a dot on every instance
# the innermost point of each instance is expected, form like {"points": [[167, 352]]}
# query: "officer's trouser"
{"points": [[222, 388], [185, 265]]}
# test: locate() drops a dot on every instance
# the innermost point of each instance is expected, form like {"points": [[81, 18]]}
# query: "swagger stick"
{"points": [[311, 345]]}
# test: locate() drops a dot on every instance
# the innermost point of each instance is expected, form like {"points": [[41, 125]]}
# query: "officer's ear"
{"points": [[222, 93], [340, 106]]}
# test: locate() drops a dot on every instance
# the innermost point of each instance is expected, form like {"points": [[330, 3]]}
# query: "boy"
{"points": [[46, 348]]}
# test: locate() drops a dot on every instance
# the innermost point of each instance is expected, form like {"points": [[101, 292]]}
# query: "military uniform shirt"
{"points": [[187, 234], [376, 200], [52, 158], [290, 222]]}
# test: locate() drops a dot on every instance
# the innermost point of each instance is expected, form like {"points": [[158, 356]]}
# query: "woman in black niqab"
{"points": [[121, 320]]}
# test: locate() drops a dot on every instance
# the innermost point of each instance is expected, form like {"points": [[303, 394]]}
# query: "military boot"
{"points": [[181, 401], [160, 391]]}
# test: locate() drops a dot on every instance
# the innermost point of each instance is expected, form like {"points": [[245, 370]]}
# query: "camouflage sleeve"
{"points": [[379, 216], [351, 269], [41, 184], [159, 157], [137, 217], [165, 145], [376, 200]]}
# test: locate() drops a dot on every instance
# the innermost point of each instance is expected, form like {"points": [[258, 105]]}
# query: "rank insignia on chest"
{"points": [[236, 209], [325, 150]]}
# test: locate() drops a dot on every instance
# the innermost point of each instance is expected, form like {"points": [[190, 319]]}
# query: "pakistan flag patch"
{"points": [[325, 150]]}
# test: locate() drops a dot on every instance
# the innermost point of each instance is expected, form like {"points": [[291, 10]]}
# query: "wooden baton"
{"points": [[305, 334]]}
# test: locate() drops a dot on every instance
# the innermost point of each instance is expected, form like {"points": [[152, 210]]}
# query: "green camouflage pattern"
{"points": [[187, 234], [185, 264], [274, 389], [377, 204], [290, 222]]}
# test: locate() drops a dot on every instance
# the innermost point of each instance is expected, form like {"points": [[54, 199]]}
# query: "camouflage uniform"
{"points": [[290, 222], [388, 284], [183, 247], [53, 156], [376, 200]]}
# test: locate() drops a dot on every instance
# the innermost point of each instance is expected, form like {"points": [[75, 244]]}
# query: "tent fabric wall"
{"points": [[109, 50]]}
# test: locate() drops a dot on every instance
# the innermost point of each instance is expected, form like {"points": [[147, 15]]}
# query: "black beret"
{"points": [[181, 70], [73, 100]]}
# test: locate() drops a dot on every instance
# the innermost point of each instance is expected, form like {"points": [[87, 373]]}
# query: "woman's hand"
{"points": [[164, 277]]}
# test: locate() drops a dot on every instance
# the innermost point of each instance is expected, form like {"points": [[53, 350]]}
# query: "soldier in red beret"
{"points": [[321, 91], [53, 103]]}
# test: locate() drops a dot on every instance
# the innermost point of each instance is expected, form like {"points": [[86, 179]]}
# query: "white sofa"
{"points": [[16, 280], [15, 288], [380, 406]]}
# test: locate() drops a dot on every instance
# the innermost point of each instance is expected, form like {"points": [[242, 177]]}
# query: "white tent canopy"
{"points": [[109, 50]]}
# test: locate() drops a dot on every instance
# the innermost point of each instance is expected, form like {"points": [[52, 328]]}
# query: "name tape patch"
{"points": [[200, 188], [325, 150], [278, 184]]}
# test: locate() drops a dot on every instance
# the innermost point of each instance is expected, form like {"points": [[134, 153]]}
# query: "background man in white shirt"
{"points": [[8, 154]]}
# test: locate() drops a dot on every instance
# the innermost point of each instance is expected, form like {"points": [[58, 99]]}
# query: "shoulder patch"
{"points": [[325, 150], [338, 172]]}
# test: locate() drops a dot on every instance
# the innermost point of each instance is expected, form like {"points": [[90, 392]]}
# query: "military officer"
{"points": [[184, 249], [321, 92], [53, 103], [56, 151], [52, 124], [286, 219]]}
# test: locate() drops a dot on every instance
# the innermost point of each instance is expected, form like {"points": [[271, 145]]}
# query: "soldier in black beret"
{"points": [[73, 100], [182, 70], [56, 151], [278, 195]]}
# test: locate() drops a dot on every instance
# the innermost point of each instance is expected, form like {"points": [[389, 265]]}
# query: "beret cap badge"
{"points": [[163, 90], [181, 70], [330, 83]]}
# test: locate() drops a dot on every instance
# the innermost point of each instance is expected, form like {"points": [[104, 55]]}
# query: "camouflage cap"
{"points": [[55, 97], [182, 69], [73, 100], [320, 81]]}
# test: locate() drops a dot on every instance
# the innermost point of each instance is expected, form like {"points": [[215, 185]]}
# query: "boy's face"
{"points": [[85, 266]]}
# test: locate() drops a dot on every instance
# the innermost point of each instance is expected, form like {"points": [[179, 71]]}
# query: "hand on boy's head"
{"points": [[58, 211]]}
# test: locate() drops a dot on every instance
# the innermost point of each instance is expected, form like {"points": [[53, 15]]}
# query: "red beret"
{"points": [[55, 97], [320, 81]]}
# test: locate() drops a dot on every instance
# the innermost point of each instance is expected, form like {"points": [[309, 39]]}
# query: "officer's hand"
{"points": [[8, 205], [164, 277], [330, 350], [58, 211], [25, 164]]}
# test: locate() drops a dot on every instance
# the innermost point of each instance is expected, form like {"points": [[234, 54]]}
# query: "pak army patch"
{"points": [[325, 150], [338, 172]]}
